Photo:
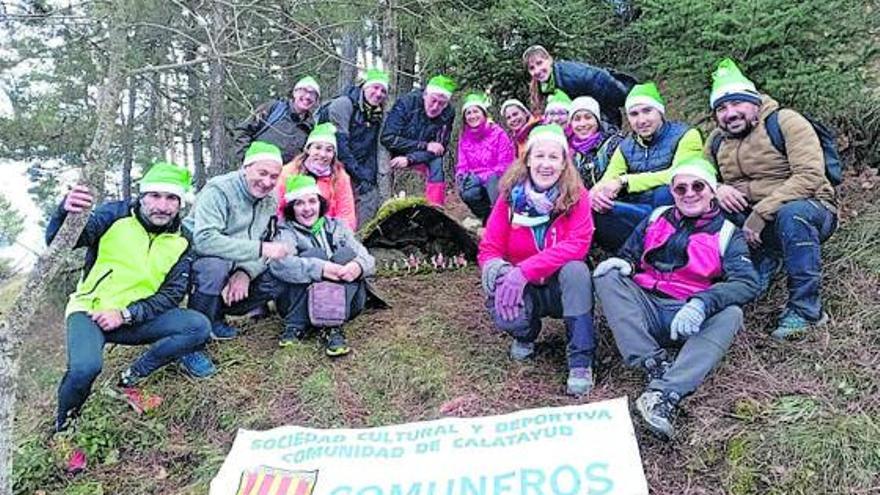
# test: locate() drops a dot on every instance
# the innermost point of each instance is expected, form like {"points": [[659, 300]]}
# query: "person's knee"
{"points": [[471, 194], [210, 274], [194, 324], [575, 272]]}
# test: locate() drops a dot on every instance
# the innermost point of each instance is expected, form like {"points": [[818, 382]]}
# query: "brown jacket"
{"points": [[768, 178]]}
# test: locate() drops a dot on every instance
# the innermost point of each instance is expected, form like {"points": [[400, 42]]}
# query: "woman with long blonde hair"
{"points": [[532, 253]]}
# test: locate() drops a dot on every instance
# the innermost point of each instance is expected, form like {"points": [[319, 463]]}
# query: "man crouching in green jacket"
{"points": [[136, 273]]}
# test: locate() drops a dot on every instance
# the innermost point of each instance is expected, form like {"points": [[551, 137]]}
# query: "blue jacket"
{"points": [[656, 155], [580, 79], [176, 282], [357, 135], [408, 130]]}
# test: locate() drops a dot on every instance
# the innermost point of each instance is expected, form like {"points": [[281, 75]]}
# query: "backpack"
{"points": [[279, 110], [827, 139]]}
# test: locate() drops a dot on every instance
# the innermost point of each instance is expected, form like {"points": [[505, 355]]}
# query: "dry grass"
{"points": [[774, 418]]}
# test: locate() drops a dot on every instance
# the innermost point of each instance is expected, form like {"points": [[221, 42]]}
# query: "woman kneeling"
{"points": [[532, 253], [324, 270], [691, 272]]}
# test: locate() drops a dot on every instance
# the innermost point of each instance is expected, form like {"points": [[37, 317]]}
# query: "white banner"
{"points": [[573, 450]]}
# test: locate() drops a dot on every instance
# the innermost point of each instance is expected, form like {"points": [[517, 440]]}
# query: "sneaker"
{"points": [[129, 379], [520, 351], [335, 344], [291, 337], [659, 411], [65, 421], [197, 365], [222, 331], [793, 326], [580, 381], [655, 368]]}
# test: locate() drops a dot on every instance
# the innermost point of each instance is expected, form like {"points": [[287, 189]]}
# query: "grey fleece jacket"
{"points": [[230, 223], [296, 269]]}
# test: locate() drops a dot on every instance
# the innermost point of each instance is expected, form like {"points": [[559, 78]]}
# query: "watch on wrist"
{"points": [[126, 316], [624, 181]]}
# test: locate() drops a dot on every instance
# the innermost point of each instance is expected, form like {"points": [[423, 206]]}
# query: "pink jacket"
{"points": [[568, 239], [704, 265], [484, 151]]}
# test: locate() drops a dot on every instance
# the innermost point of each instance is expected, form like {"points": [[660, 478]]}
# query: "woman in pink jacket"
{"points": [[320, 161], [532, 253], [484, 153]]}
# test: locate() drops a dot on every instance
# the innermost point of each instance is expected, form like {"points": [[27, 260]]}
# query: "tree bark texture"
{"points": [[27, 303], [216, 94], [128, 157], [348, 67], [390, 36]]}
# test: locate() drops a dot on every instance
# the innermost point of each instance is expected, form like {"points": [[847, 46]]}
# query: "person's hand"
{"points": [[613, 264], [108, 320], [436, 148], [509, 294], [351, 271], [332, 271], [78, 200], [688, 320], [236, 288], [399, 162], [731, 199], [603, 194], [752, 229], [274, 250]]}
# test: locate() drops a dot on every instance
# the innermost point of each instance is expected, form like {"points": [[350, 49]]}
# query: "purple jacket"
{"points": [[484, 151]]}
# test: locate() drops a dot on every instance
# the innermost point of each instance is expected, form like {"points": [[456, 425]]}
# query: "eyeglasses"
{"points": [[697, 187]]}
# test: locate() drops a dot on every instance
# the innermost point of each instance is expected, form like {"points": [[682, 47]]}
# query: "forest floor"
{"points": [[775, 418]]}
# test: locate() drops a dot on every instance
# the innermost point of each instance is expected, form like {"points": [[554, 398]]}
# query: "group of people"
{"points": [[691, 231]]}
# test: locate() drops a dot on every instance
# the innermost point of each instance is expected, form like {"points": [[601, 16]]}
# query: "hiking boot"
{"points": [[793, 326], [291, 336], [222, 331], [335, 344], [66, 420], [580, 381], [129, 379], [520, 351], [656, 367], [658, 409], [197, 364]]}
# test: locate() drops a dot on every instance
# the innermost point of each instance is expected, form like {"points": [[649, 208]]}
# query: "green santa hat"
{"points": [[729, 84], [548, 132], [476, 100], [298, 186], [513, 102], [441, 85], [308, 82], [645, 94], [698, 167], [558, 100], [323, 133], [377, 76], [168, 178], [585, 103], [260, 151]]}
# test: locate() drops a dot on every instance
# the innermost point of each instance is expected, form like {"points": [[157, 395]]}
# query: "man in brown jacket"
{"points": [[783, 200]]}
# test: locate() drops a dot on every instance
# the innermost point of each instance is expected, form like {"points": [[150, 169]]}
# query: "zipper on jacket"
{"points": [[98, 282]]}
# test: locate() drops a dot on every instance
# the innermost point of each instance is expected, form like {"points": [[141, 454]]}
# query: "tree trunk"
{"points": [[194, 98], [128, 153], [390, 37], [407, 66], [216, 94], [348, 66], [29, 299]]}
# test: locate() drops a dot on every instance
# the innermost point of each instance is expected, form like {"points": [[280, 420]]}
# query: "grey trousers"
{"points": [[366, 204], [640, 323]]}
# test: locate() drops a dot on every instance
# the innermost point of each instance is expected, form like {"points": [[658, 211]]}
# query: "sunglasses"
{"points": [[697, 187]]}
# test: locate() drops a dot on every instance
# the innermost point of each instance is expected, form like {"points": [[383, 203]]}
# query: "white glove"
{"points": [[613, 264], [688, 320]]}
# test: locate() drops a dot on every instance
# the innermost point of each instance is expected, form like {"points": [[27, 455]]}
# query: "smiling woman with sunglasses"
{"points": [[679, 283]]}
